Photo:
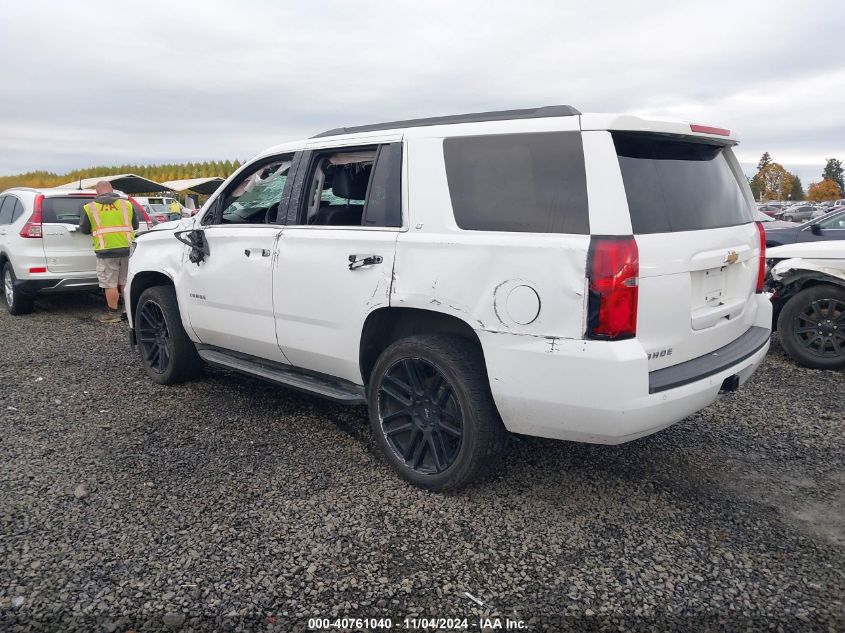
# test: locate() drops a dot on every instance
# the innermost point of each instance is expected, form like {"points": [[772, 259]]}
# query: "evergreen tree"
{"points": [[833, 171], [765, 161], [797, 188]]}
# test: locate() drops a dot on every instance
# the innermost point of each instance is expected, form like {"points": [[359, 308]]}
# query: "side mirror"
{"points": [[816, 229]]}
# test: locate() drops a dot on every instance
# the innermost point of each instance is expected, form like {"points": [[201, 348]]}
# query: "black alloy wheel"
{"points": [[153, 337], [812, 327], [420, 416], [431, 411], [820, 327], [169, 356]]}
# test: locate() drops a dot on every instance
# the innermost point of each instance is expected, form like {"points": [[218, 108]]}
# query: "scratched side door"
{"points": [[334, 261]]}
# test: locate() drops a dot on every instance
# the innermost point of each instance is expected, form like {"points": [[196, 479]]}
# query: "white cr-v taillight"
{"points": [[32, 228], [613, 269]]}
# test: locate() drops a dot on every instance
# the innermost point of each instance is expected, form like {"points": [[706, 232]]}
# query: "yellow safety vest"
{"points": [[111, 224]]}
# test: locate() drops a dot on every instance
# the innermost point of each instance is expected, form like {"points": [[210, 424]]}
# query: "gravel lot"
{"points": [[230, 504]]}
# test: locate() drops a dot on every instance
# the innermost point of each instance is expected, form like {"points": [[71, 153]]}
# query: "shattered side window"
{"points": [[256, 193]]}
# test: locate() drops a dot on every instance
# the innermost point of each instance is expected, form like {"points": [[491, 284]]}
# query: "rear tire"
{"points": [[17, 302], [788, 218], [812, 327], [432, 414], [168, 355]]}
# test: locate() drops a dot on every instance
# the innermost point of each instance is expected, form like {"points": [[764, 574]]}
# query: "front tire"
{"points": [[812, 327], [168, 355], [17, 302], [432, 414], [788, 218]]}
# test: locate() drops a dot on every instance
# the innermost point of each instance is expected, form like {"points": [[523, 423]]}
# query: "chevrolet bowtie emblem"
{"points": [[731, 257]]}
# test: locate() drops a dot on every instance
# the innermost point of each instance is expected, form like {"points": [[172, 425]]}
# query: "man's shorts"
{"points": [[111, 271]]}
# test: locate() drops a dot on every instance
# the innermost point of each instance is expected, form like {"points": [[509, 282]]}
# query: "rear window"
{"points": [[518, 182], [63, 210], [678, 185]]}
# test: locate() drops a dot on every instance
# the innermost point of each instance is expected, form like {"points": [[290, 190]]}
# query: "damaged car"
{"points": [[586, 277], [807, 282]]}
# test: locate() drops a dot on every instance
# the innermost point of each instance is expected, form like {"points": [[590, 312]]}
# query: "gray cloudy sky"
{"points": [[88, 83]]}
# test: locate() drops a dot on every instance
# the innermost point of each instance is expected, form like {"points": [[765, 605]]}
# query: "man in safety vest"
{"points": [[111, 222]]}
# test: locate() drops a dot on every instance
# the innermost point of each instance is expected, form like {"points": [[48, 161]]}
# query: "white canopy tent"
{"points": [[127, 183], [202, 186]]}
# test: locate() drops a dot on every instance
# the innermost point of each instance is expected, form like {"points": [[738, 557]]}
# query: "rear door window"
{"points": [[532, 183], [17, 211], [679, 185], [63, 210], [7, 204]]}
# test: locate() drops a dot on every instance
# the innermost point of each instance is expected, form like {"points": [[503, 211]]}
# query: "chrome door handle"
{"points": [[265, 252], [358, 261]]}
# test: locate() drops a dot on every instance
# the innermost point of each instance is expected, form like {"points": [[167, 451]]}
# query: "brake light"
{"points": [[37, 269], [761, 270], [140, 210], [613, 269], [707, 129], [32, 228]]}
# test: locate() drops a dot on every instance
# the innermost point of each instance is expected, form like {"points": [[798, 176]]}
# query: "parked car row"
{"points": [[798, 212]]}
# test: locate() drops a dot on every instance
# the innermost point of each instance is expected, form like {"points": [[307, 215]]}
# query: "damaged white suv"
{"points": [[576, 276], [807, 281]]}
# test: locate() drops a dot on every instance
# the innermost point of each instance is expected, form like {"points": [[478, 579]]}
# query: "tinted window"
{"points": [[518, 182], [63, 210], [384, 197], [835, 222], [18, 211], [676, 185], [7, 203]]}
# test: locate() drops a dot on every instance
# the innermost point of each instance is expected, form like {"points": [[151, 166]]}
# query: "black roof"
{"points": [[475, 117]]}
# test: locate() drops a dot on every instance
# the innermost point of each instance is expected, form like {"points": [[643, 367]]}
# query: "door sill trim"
{"points": [[329, 387]]}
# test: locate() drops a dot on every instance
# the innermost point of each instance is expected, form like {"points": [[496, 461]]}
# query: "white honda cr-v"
{"points": [[585, 277], [41, 248]]}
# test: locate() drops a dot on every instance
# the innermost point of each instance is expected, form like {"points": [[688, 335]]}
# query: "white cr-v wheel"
{"points": [[16, 301]]}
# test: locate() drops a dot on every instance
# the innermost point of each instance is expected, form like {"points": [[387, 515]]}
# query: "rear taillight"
{"points": [[32, 228], [613, 269], [140, 210], [761, 270]]}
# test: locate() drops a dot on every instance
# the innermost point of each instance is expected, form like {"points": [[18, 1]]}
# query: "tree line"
{"points": [[159, 173], [773, 182]]}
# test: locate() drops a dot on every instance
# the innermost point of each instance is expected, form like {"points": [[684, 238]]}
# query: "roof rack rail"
{"points": [[476, 117]]}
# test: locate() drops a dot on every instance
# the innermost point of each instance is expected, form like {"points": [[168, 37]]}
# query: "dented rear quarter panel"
{"points": [[470, 274]]}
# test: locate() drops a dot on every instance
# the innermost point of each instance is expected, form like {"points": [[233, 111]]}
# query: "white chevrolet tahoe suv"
{"points": [[41, 248], [584, 277]]}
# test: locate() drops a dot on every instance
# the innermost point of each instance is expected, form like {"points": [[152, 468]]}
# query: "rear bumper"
{"points": [[596, 392], [65, 284]]}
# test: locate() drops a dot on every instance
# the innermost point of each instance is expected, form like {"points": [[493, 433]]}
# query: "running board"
{"points": [[335, 389]]}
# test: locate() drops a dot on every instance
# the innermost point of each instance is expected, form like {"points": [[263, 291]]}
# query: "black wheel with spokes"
{"points": [[153, 337], [432, 413], [420, 416], [812, 327], [167, 353]]}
